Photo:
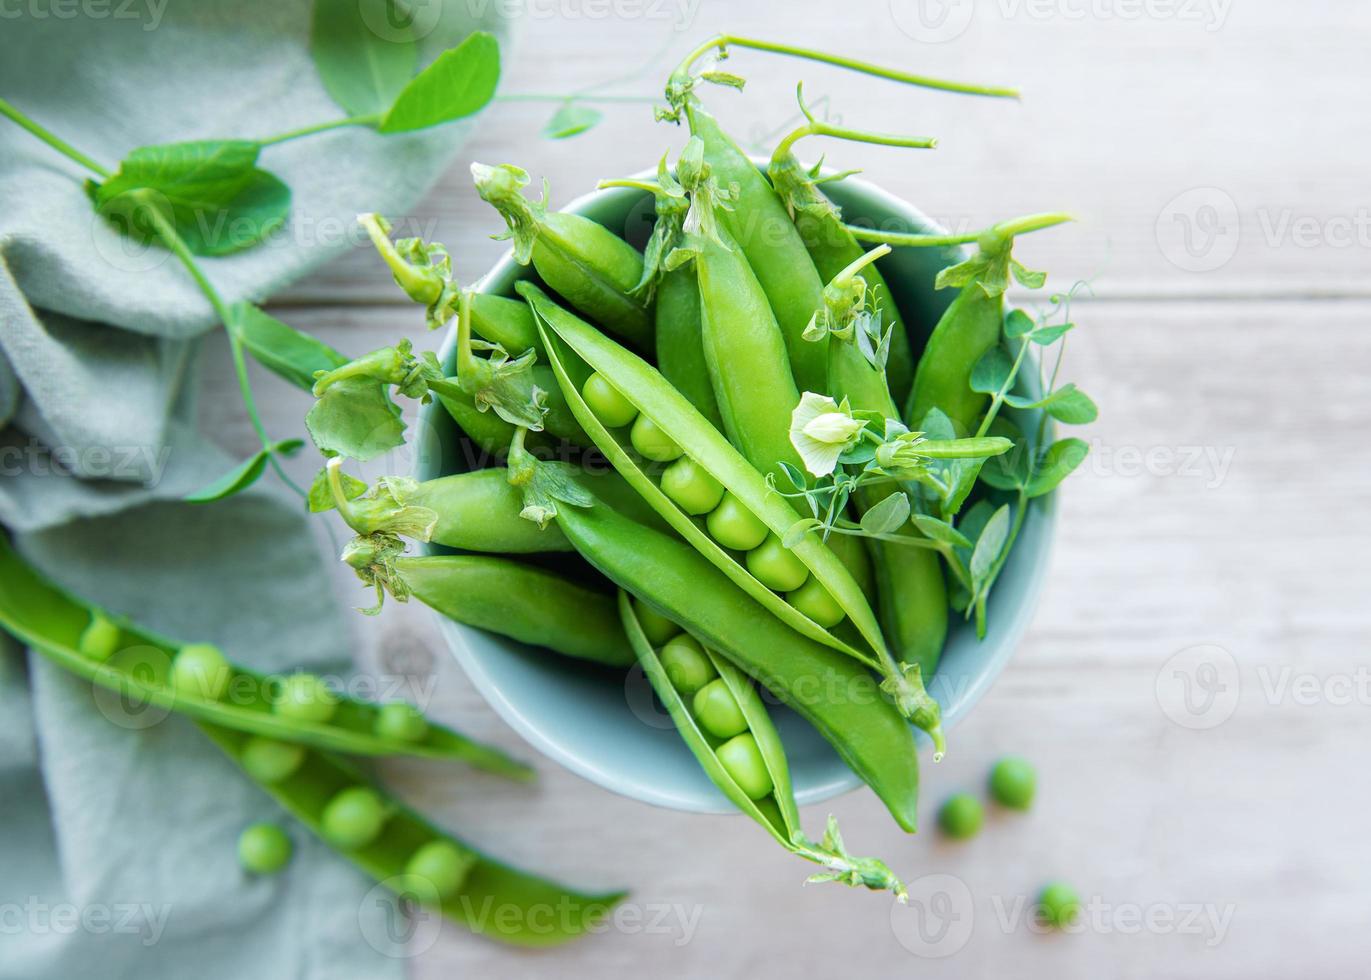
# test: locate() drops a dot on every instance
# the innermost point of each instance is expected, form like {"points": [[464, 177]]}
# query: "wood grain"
{"points": [[1224, 503]]}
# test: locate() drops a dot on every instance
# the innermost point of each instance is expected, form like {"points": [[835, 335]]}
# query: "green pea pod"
{"points": [[761, 225], [594, 269], [43, 616], [680, 347], [911, 589], [558, 422], [969, 327], [776, 812], [490, 898], [526, 603], [505, 321], [830, 690], [475, 511], [745, 353], [567, 339], [486, 430]]}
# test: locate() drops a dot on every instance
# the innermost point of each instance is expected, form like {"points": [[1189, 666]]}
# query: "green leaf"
{"points": [[1017, 324], [210, 191], [989, 545], [888, 516], [1061, 458], [355, 417], [1027, 277], [991, 371], [364, 51], [940, 531], [1010, 471], [460, 82], [572, 119], [1049, 335], [281, 348], [1072, 406], [244, 475], [320, 496]]}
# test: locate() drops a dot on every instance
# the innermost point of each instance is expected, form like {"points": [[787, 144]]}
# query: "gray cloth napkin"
{"points": [[117, 825]]}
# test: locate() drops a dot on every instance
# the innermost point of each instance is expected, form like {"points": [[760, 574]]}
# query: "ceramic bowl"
{"points": [[606, 727]]}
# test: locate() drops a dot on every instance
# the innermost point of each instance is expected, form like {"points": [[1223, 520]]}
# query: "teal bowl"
{"points": [[606, 726]]}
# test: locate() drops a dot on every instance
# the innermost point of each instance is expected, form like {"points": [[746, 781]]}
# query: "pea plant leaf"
{"points": [[1061, 458], [797, 531], [210, 191], [281, 348], [1045, 335], [355, 417], [365, 52], [988, 546], [244, 475], [459, 82], [888, 516], [1066, 404], [320, 497], [572, 119], [992, 371], [1017, 324], [940, 531]]}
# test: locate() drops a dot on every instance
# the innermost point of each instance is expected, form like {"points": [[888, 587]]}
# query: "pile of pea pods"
{"points": [[796, 498]]}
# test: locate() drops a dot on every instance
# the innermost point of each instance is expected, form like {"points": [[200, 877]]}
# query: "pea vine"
{"points": [[209, 198]]}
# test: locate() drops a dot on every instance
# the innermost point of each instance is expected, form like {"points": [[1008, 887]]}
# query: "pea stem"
{"points": [[322, 127], [859, 263], [173, 241], [466, 358], [1005, 229], [814, 127], [639, 185], [52, 139], [722, 42]]}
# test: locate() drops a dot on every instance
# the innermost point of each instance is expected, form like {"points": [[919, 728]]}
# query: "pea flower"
{"points": [[821, 430]]}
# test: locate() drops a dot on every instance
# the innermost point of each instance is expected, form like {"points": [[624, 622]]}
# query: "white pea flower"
{"points": [[821, 430]]}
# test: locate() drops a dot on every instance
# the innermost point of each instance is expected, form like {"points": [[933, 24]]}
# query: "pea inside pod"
{"points": [[397, 847], [747, 764], [567, 337], [694, 484], [144, 665]]}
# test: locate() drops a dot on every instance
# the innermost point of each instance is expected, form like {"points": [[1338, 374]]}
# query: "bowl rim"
{"points": [[967, 695]]}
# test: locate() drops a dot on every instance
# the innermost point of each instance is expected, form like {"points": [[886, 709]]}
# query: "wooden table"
{"points": [[1224, 503]]}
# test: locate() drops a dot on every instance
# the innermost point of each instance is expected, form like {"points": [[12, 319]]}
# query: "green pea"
{"points": [[960, 816], [742, 759], [200, 670], [776, 566], [269, 761], [717, 710], [691, 487], [814, 601], [686, 665], [304, 697], [734, 526], [658, 629], [401, 722], [353, 818], [1058, 904], [1013, 782], [651, 442], [610, 407], [100, 639], [442, 864], [263, 849]]}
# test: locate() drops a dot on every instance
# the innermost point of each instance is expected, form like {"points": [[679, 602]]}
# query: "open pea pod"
{"points": [[775, 810], [490, 898], [46, 618], [670, 411], [832, 691]]}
